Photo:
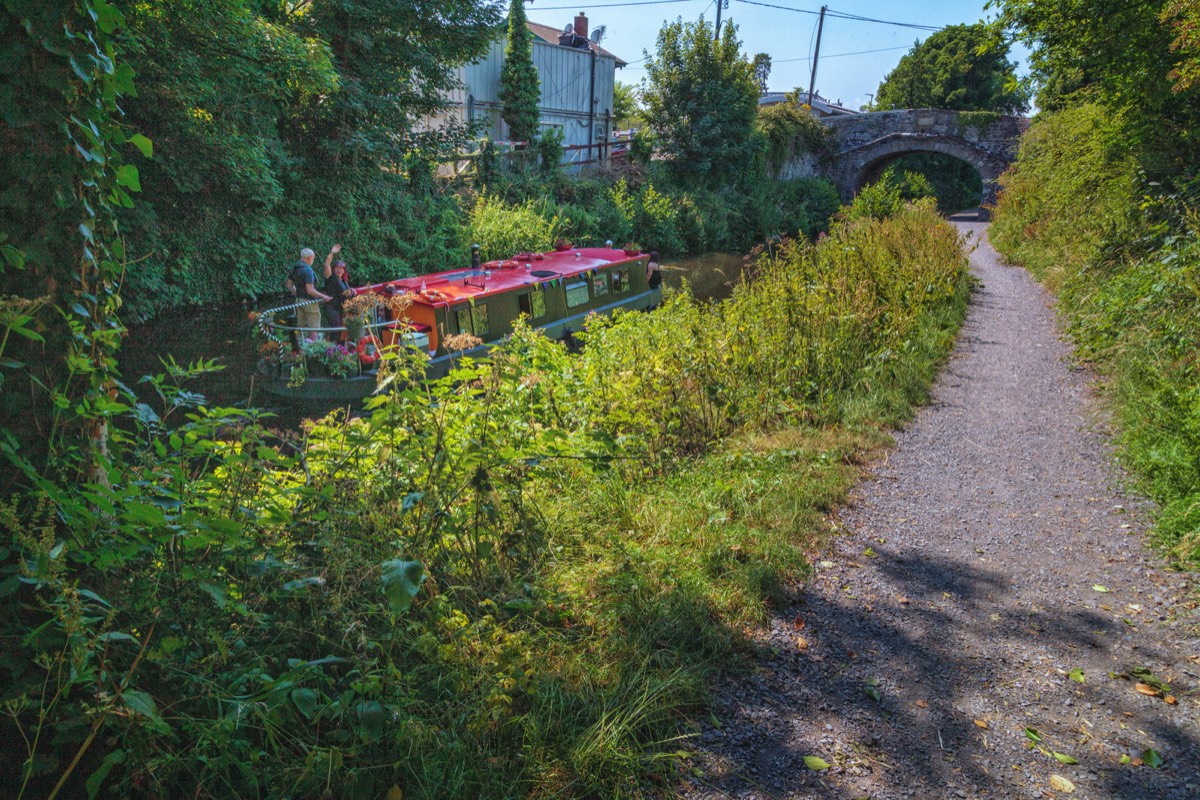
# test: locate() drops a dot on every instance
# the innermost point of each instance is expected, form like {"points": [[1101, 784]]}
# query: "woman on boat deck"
{"points": [[337, 286], [653, 271]]}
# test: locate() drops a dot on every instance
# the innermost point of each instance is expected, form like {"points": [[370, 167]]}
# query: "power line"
{"points": [[841, 55], [857, 18], [841, 15]]}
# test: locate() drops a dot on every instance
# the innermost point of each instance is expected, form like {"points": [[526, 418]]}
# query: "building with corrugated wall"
{"points": [[577, 77]]}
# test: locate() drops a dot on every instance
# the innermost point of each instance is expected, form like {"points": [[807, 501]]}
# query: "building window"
{"points": [[470, 109], [599, 285]]}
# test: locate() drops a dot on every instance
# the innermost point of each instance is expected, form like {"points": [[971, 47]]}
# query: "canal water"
{"points": [[226, 335]]}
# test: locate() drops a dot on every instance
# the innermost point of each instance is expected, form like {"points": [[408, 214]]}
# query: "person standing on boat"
{"points": [[307, 316], [337, 286], [653, 271]]}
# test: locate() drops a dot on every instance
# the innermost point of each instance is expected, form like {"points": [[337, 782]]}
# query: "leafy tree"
{"points": [[762, 70], [962, 68], [626, 112], [1110, 44], [520, 89], [1127, 56], [1184, 18], [394, 59], [701, 101], [280, 125]]}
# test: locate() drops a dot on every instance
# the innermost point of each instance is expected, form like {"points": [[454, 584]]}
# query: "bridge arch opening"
{"points": [[866, 164], [957, 183]]}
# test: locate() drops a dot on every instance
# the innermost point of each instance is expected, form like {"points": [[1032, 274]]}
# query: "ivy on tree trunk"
{"points": [[64, 153], [520, 89]]}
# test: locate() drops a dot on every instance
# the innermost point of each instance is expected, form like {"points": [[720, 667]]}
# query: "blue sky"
{"points": [[845, 72]]}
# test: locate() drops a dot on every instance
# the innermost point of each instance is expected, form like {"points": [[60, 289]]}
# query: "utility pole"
{"points": [[812, 83], [717, 30]]}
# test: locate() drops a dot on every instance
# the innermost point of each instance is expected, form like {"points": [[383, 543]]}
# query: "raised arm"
{"points": [[333, 251]]}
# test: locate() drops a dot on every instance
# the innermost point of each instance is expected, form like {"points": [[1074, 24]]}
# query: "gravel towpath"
{"points": [[992, 578]]}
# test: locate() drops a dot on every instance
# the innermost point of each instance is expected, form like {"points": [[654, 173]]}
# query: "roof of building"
{"points": [[549, 34], [818, 103]]}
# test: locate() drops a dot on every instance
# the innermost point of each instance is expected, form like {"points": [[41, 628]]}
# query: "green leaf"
{"points": [[816, 763], [108, 18], [402, 582], [1099, 588], [116, 636], [127, 176], [1152, 758], [1063, 758], [143, 704], [1125, 759], [142, 143], [371, 716], [96, 780], [306, 701], [1032, 735], [1077, 676], [216, 593]]}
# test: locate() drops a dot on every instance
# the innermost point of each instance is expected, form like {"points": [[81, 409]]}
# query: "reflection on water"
{"points": [[710, 276], [227, 335]]}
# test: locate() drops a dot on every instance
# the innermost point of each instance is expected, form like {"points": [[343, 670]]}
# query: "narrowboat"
{"points": [[555, 290]]}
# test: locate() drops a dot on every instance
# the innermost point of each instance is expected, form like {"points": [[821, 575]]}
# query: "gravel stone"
{"points": [[993, 518]]}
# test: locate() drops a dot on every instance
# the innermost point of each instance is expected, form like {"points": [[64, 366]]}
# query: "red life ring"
{"points": [[369, 350], [510, 264], [433, 296]]}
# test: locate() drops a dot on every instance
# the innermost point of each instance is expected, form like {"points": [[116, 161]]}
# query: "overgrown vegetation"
{"points": [[1103, 206], [518, 580]]}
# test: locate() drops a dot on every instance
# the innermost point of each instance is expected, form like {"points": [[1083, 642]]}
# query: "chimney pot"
{"points": [[581, 25]]}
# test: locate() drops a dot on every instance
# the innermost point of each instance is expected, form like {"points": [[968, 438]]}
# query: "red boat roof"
{"points": [[497, 277]]}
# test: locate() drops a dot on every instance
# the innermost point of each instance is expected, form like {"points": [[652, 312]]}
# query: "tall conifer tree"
{"points": [[520, 89]]}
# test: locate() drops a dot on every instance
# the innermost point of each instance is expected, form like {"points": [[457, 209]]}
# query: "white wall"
{"points": [[565, 75]]}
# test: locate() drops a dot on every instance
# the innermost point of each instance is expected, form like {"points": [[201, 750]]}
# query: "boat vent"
{"points": [[544, 273]]}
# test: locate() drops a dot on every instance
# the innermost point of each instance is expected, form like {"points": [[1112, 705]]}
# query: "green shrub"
{"points": [[1074, 185], [502, 230], [788, 131], [878, 200]]}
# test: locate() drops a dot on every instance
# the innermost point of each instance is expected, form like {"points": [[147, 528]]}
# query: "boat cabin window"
{"points": [[620, 281], [533, 304], [577, 294], [599, 285], [473, 320]]}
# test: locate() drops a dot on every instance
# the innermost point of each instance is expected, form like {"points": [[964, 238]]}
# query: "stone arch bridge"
{"points": [[862, 146]]}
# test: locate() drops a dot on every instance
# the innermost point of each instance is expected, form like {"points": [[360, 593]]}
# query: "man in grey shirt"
{"points": [[308, 316]]}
